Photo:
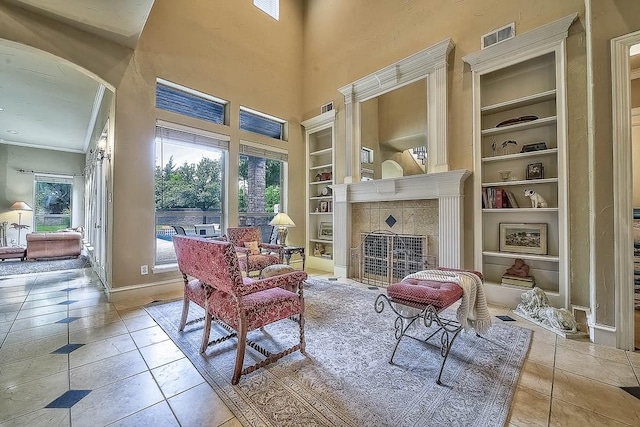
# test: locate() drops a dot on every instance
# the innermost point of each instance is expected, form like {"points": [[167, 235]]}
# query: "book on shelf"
{"points": [[496, 198], [513, 203], [517, 281], [509, 285]]}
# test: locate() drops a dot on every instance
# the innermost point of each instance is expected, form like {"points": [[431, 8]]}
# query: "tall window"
{"points": [[52, 210], [260, 182], [189, 185]]}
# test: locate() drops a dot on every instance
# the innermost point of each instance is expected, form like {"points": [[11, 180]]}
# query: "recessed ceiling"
{"points": [[46, 102], [120, 21]]}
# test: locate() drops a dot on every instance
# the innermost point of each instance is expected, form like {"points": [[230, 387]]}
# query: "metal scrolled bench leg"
{"points": [[429, 314]]}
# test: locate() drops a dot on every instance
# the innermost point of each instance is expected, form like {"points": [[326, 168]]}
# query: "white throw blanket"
{"points": [[473, 311]]}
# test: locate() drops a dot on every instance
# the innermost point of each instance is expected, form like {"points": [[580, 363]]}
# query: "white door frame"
{"points": [[622, 178]]}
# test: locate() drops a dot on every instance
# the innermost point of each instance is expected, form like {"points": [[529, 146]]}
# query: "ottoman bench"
{"points": [[8, 252], [416, 298]]}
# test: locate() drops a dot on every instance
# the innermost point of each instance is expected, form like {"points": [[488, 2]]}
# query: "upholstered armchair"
{"points": [[213, 280], [253, 254]]}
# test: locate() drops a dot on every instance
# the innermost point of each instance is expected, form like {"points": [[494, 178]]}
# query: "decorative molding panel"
{"points": [[429, 64], [510, 50]]}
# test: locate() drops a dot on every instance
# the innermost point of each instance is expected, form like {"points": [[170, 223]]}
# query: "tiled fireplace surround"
{"points": [[429, 204]]}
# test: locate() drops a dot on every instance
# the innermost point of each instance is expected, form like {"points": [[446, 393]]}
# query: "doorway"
{"points": [[623, 176]]}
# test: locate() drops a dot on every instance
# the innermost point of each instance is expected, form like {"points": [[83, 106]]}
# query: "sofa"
{"points": [[54, 245]]}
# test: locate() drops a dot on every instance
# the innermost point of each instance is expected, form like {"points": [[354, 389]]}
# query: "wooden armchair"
{"points": [[238, 304], [253, 254]]}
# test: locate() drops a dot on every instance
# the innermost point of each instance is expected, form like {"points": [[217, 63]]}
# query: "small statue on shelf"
{"points": [[518, 269], [318, 250], [537, 201]]}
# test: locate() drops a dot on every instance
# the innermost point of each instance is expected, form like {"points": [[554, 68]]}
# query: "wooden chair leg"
{"points": [[242, 344], [206, 332], [185, 312], [302, 341]]}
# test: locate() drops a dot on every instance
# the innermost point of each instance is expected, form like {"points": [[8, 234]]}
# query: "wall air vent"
{"points": [[326, 107], [499, 35]]}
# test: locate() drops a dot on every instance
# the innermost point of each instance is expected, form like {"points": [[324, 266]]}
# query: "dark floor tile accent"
{"points": [[66, 349], [333, 278], [67, 302], [633, 391], [373, 288], [68, 289], [68, 399], [506, 318], [391, 221], [68, 320]]}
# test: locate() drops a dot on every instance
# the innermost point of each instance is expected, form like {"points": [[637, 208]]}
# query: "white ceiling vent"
{"points": [[499, 35], [326, 107]]}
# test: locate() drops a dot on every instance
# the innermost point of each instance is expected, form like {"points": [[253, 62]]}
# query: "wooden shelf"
{"points": [[327, 166], [321, 198], [545, 121], [497, 158], [519, 210], [520, 182], [549, 258], [330, 242], [321, 152], [321, 213], [330, 181], [520, 102]]}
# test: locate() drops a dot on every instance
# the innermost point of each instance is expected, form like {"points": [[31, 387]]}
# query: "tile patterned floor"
{"points": [[70, 358]]}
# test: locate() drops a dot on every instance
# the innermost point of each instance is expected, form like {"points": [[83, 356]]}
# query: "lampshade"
{"points": [[282, 220], [20, 206]]}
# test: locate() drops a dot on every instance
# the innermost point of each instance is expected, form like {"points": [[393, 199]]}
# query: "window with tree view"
{"points": [[52, 210], [260, 180], [189, 185]]}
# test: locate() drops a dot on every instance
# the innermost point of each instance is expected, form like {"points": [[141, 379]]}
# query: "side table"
{"points": [[290, 250]]}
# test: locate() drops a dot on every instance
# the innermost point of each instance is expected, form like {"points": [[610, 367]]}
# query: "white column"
{"points": [[341, 230], [351, 128], [437, 119], [451, 231]]}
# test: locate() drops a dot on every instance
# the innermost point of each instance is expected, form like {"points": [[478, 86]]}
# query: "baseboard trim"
{"points": [[125, 293], [603, 335]]}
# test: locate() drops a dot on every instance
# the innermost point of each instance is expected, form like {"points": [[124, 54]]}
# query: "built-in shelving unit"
{"points": [[319, 138], [521, 77]]}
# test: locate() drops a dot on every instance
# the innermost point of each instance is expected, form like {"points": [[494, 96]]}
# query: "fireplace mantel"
{"points": [[447, 187]]}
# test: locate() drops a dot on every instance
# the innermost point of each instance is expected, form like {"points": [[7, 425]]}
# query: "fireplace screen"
{"points": [[383, 258]]}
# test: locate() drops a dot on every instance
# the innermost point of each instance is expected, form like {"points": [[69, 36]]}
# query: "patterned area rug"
{"points": [[346, 380], [11, 267]]}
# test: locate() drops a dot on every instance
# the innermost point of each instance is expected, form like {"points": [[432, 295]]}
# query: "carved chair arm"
{"points": [[271, 247], [293, 282]]}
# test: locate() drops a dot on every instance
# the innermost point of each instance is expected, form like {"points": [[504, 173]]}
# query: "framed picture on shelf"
{"points": [[324, 206], [535, 171], [325, 231], [523, 238]]}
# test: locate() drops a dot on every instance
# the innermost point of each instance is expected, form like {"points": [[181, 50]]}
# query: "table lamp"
{"points": [[20, 206], [282, 221]]}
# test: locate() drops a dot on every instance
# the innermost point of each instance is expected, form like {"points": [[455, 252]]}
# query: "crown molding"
{"points": [[405, 71], [539, 38]]}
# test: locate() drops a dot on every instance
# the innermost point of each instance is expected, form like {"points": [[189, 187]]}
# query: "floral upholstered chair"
{"points": [[213, 280], [254, 255]]}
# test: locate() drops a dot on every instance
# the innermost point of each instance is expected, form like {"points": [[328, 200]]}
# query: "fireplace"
{"points": [[383, 257], [444, 188]]}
